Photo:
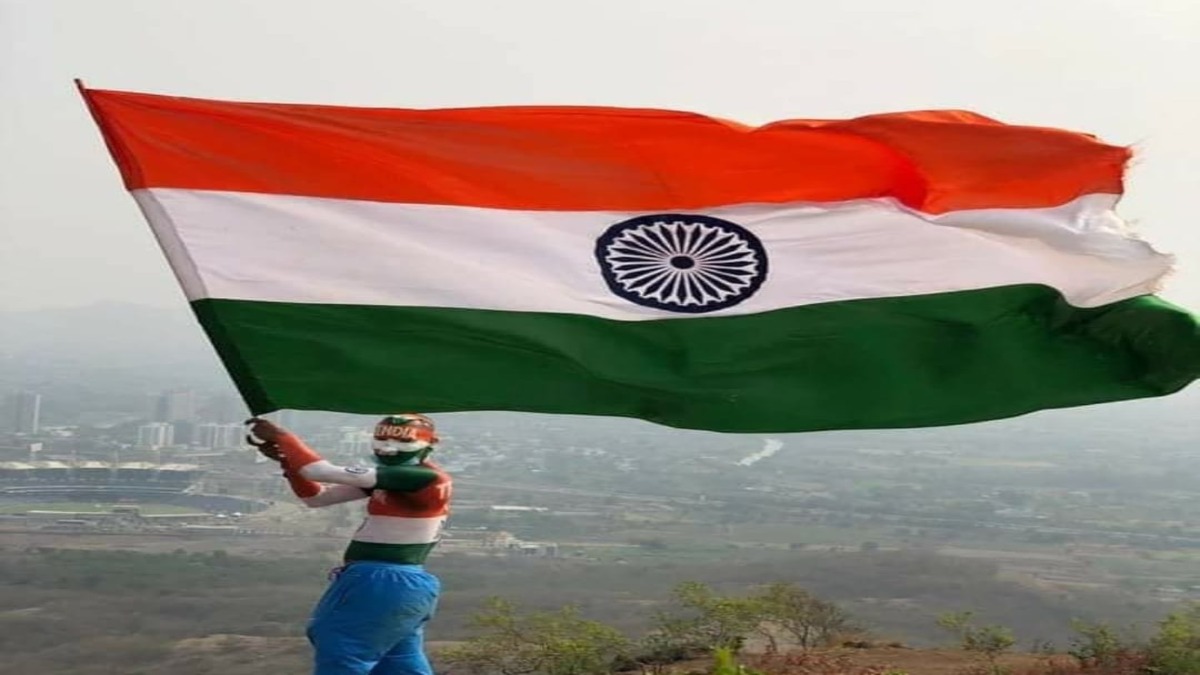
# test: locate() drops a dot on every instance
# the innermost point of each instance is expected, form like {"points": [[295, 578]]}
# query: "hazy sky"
{"points": [[70, 235]]}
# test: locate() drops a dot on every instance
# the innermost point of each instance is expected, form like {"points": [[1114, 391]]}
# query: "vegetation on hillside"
{"points": [[88, 612], [705, 627]]}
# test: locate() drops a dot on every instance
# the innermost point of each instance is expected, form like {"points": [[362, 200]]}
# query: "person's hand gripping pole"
{"points": [[263, 436]]}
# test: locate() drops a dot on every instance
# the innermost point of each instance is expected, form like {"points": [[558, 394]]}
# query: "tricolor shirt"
{"points": [[406, 513]]}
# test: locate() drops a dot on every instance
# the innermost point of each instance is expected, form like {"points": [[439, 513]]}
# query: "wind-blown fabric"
{"points": [[895, 270]]}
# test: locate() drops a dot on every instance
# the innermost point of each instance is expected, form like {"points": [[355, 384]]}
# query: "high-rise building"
{"points": [[354, 441], [231, 436], [27, 412], [222, 409], [176, 406], [185, 432], [217, 436], [155, 435]]}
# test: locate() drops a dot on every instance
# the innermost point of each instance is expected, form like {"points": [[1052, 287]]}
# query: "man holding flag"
{"points": [[372, 616], [906, 269]]}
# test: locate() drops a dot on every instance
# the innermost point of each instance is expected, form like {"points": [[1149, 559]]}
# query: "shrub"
{"points": [[990, 641], [1175, 649], [724, 663], [703, 621], [1098, 646], [539, 643], [808, 620]]}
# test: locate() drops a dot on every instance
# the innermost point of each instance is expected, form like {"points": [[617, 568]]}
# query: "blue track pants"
{"points": [[372, 620]]}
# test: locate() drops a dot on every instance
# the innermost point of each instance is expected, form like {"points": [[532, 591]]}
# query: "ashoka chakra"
{"points": [[681, 263]]}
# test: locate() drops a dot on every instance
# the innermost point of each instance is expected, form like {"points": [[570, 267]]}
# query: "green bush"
{"points": [[990, 641], [1098, 645], [725, 663], [539, 643], [807, 620], [702, 620], [1175, 649]]}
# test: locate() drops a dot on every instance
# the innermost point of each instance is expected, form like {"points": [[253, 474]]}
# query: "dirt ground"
{"points": [[243, 655], [932, 661]]}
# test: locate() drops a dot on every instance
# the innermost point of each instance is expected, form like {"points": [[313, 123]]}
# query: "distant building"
{"points": [[507, 542], [155, 435], [15, 471], [79, 481], [222, 409], [353, 441], [27, 412], [543, 550], [50, 471], [500, 539], [185, 432], [175, 406], [93, 472], [135, 472], [218, 436], [509, 508]]}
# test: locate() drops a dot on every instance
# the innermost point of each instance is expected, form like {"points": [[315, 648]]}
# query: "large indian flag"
{"points": [[894, 270]]}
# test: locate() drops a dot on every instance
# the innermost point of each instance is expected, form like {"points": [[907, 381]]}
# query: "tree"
{"points": [[703, 621], [1097, 645], [539, 643], [991, 641], [1175, 649], [808, 620]]}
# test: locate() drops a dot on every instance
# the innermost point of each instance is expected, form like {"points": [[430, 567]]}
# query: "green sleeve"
{"points": [[403, 478]]}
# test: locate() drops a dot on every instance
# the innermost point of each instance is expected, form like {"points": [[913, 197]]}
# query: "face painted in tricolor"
{"points": [[406, 438]]}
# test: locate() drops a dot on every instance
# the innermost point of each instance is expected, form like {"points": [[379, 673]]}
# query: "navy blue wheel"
{"points": [[681, 262]]}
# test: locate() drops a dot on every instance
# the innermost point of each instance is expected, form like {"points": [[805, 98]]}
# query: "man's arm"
{"points": [[328, 495], [312, 493], [308, 465]]}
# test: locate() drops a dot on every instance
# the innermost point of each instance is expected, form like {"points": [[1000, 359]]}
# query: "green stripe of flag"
{"points": [[897, 362]]}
